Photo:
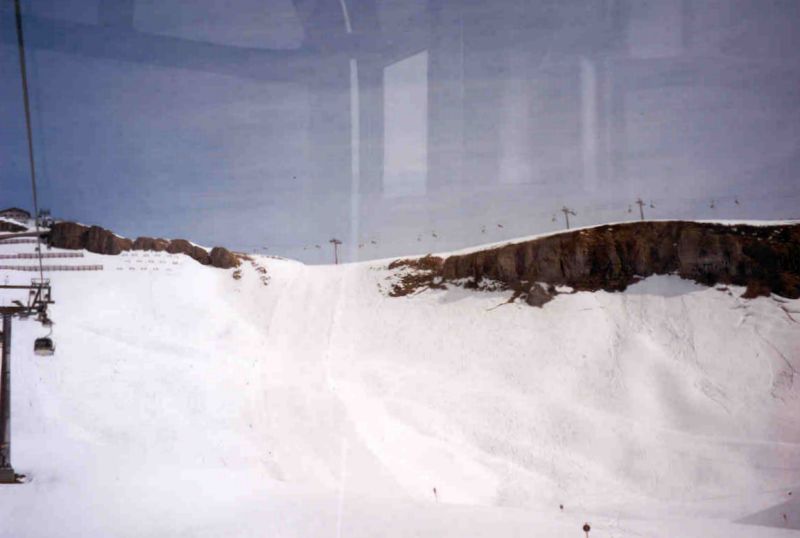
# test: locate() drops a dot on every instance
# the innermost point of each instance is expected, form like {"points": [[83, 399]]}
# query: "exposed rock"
{"points": [[67, 235], [182, 246], [102, 241], [415, 274], [765, 259], [71, 235], [151, 243], [7, 226], [537, 295], [92, 238], [223, 258], [426, 263]]}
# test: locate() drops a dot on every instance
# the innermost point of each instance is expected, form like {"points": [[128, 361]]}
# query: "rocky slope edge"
{"points": [[8, 226], [764, 258], [71, 235]]}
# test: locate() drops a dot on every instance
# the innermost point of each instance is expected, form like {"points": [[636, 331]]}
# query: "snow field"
{"points": [[186, 403]]}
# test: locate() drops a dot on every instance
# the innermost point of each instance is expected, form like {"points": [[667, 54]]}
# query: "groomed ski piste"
{"points": [[184, 402]]}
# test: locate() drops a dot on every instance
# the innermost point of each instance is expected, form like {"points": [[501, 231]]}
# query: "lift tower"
{"points": [[7, 474], [38, 300]]}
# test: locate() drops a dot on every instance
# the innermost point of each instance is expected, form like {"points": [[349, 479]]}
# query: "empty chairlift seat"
{"points": [[44, 346]]}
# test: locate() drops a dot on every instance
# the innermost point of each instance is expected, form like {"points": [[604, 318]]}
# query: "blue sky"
{"points": [[185, 142]]}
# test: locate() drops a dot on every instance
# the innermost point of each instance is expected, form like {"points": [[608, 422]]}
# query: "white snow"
{"points": [[182, 402]]}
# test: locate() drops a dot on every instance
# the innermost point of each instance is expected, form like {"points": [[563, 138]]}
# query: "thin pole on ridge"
{"points": [[567, 212], [641, 204], [335, 242]]}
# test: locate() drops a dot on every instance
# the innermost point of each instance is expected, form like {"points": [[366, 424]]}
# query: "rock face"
{"points": [[68, 235], [103, 241], [6, 226], [72, 235], [92, 238], [182, 246], [223, 258], [416, 274], [538, 295], [765, 259], [150, 243]]}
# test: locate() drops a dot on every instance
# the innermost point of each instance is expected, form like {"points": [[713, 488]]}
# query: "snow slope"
{"points": [[182, 402]]}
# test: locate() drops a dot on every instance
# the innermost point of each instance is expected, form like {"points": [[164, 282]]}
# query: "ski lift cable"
{"points": [[27, 106]]}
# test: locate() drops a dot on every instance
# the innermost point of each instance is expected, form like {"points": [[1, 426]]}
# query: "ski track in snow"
{"points": [[181, 402]]}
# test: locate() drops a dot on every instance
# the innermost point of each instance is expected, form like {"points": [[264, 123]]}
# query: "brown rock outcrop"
{"points": [[223, 258], [92, 238], [103, 241], [538, 295], [71, 235], [7, 226], [67, 235], [150, 243], [182, 246], [416, 274], [765, 259]]}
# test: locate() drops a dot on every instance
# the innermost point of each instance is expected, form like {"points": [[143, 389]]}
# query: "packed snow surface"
{"points": [[183, 402]]}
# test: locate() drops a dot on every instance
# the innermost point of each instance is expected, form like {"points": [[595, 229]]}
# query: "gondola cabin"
{"points": [[44, 346]]}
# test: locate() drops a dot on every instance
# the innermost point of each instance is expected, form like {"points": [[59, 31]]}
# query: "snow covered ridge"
{"points": [[184, 402], [11, 225], [765, 258], [71, 235]]}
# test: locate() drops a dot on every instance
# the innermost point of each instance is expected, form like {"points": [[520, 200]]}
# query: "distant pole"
{"points": [[640, 203], [336, 244], [7, 474], [567, 212]]}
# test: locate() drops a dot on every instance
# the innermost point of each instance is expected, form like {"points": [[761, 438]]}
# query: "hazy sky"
{"points": [[494, 113]]}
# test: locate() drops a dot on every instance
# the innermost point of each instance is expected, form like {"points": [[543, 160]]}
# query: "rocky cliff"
{"points": [[765, 259], [72, 235], [8, 226]]}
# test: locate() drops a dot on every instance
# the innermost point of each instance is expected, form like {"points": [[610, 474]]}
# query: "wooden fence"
{"points": [[16, 241], [34, 255], [51, 267]]}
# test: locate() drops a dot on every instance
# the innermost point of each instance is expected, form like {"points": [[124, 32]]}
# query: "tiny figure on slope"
{"points": [[435, 495]]}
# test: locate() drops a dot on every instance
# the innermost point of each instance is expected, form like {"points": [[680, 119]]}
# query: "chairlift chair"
{"points": [[44, 346]]}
